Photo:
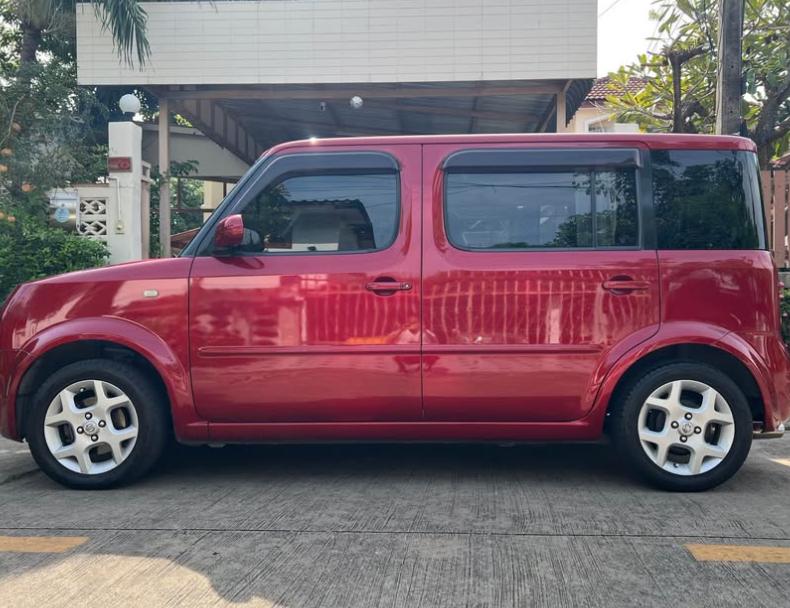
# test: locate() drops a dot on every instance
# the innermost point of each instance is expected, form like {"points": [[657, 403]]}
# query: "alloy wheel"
{"points": [[686, 427], [91, 427]]}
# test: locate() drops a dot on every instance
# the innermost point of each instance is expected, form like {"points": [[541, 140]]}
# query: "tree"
{"points": [[39, 19], [51, 129], [189, 195], [52, 132], [48, 27], [680, 79]]}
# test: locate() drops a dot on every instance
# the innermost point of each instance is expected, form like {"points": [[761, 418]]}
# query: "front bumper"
{"points": [[9, 361]]}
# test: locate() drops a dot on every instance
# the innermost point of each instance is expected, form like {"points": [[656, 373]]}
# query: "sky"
{"points": [[623, 27]]}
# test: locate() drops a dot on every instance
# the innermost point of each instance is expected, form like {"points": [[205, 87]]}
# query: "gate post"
{"points": [[125, 166]]}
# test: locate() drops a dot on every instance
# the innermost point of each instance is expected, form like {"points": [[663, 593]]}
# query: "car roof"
{"points": [[650, 140]]}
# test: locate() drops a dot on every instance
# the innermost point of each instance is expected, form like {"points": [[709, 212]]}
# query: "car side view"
{"points": [[439, 288]]}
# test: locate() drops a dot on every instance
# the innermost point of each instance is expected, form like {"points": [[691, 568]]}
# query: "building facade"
{"points": [[249, 74], [252, 73]]}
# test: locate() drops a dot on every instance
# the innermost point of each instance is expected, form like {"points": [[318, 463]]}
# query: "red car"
{"points": [[455, 288]]}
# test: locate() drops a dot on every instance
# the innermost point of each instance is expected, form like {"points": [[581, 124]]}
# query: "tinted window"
{"points": [[542, 209], [323, 213], [707, 200]]}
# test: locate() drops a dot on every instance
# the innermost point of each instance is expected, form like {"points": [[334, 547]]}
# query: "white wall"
{"points": [[191, 145], [331, 41], [588, 117]]}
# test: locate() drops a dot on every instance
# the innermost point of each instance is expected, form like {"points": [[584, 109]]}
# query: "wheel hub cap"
{"points": [[686, 427], [91, 427]]}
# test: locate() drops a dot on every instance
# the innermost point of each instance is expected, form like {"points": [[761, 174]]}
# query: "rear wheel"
{"points": [[684, 426], [96, 424]]}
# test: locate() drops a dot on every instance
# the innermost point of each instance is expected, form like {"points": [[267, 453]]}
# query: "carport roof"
{"points": [[249, 119]]}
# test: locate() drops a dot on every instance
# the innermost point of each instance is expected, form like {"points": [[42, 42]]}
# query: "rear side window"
{"points": [[561, 209], [318, 213], [707, 199]]}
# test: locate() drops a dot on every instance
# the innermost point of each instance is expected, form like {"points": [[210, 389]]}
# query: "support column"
{"points": [[560, 107], [124, 225], [164, 184]]}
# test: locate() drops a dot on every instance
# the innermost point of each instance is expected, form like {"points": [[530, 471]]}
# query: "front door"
{"points": [[535, 274], [316, 317]]}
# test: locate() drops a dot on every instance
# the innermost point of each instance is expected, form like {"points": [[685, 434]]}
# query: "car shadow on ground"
{"points": [[395, 459]]}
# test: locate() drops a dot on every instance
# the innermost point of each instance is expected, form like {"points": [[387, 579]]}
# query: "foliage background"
{"points": [[186, 192], [52, 132], [31, 250], [680, 76]]}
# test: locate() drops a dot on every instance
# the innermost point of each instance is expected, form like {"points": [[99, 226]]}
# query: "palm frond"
{"points": [[126, 20]]}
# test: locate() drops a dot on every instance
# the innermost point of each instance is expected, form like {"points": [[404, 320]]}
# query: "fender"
{"points": [[123, 332], [686, 332], [760, 369]]}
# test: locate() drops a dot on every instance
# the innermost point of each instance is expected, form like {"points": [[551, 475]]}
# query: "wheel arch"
{"points": [[717, 355], [111, 338], [72, 352]]}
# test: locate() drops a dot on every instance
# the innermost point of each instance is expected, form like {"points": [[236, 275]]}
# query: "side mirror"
{"points": [[229, 233]]}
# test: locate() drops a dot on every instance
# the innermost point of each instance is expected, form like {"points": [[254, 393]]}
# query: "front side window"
{"points": [[320, 213], [552, 209], [707, 199]]}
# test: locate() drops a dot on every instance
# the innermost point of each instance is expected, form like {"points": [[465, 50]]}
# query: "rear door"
{"points": [[536, 275], [316, 318]]}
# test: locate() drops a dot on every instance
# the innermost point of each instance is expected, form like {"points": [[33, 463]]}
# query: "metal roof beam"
{"points": [[216, 123], [445, 111], [365, 91], [278, 124]]}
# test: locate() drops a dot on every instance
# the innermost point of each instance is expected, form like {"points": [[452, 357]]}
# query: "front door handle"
{"points": [[388, 287], [625, 285]]}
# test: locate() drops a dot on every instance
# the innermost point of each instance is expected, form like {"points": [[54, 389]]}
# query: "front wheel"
{"points": [[97, 424], [684, 427]]}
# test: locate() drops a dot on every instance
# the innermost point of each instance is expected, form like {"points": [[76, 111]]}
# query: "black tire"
{"points": [[152, 415], [624, 427]]}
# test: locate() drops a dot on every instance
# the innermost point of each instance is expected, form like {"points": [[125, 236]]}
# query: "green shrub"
{"points": [[30, 249]]}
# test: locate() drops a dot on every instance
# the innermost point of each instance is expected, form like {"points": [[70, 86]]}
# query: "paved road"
{"points": [[370, 526]]}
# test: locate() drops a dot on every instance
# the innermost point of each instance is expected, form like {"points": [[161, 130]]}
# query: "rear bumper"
{"points": [[772, 370], [5, 380], [781, 410], [759, 432]]}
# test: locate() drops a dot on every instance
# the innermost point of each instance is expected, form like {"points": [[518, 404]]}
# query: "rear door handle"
{"points": [[387, 287], [620, 286]]}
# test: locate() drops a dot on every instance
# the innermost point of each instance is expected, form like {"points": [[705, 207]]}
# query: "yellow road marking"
{"points": [[740, 553], [784, 461], [40, 544]]}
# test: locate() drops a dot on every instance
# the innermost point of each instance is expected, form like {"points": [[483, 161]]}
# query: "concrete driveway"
{"points": [[403, 525]]}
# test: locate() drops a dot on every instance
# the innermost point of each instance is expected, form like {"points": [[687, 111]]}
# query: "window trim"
{"points": [[640, 158], [758, 175], [511, 160], [282, 167]]}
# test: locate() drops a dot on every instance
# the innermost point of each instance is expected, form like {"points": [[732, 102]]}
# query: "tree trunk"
{"points": [[761, 136], [764, 153], [31, 40], [676, 59], [677, 110]]}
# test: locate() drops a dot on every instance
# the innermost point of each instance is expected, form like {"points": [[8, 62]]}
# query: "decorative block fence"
{"points": [[776, 200]]}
